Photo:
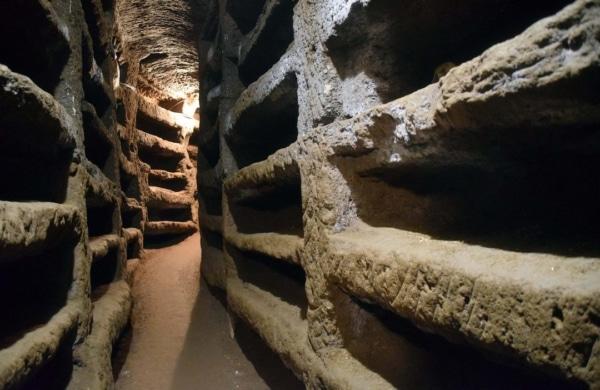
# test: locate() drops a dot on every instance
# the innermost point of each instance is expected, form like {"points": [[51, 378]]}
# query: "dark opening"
{"points": [[32, 46], [132, 217], [177, 215], [277, 277], [156, 161], [399, 45], [268, 126], [98, 149], [130, 185], [121, 113], [405, 356], [272, 42], [33, 289], [245, 13], [94, 82], [209, 143], [525, 189], [269, 209], [104, 271], [212, 239], [174, 184], [155, 127], [210, 199], [93, 16], [123, 72], [20, 169], [107, 5], [100, 216]]}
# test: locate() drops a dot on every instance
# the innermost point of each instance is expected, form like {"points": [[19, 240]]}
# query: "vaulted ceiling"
{"points": [[163, 34]]}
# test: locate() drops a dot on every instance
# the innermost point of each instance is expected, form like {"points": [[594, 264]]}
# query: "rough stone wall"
{"points": [[76, 199], [404, 194]]}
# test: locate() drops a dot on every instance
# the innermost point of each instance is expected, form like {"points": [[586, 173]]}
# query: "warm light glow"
{"points": [[186, 120]]}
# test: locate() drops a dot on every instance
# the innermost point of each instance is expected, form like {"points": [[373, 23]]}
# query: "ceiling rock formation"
{"points": [[162, 34]]}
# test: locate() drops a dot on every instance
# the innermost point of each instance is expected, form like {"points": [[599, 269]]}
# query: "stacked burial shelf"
{"points": [[109, 290], [46, 258], [164, 150], [41, 238], [252, 220], [452, 230]]}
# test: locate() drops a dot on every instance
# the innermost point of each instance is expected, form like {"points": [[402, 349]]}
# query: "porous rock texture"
{"points": [[163, 35], [404, 194], [76, 196]]}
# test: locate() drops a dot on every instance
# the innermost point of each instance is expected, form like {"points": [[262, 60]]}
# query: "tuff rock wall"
{"points": [[404, 194], [91, 166]]}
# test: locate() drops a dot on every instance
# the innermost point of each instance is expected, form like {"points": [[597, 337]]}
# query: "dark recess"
{"points": [[273, 41], [399, 45], [373, 335], [268, 126], [38, 41]]}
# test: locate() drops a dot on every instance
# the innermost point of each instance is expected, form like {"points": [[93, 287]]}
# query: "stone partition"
{"points": [[405, 195], [77, 197]]}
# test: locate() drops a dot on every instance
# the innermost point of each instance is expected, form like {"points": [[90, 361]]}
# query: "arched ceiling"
{"points": [[163, 34]]}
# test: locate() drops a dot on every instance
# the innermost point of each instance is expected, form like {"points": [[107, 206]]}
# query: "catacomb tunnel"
{"points": [[282, 194]]}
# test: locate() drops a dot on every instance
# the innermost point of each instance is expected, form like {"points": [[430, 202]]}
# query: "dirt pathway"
{"points": [[180, 333]]}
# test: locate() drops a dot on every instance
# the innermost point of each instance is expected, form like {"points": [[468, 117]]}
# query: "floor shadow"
{"points": [[164, 241], [212, 359]]}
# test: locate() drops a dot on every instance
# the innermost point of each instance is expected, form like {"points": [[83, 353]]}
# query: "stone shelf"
{"points": [[462, 160], [155, 120], [46, 44], [112, 304], [268, 40], [278, 169], [95, 84], [132, 266], [33, 123], [162, 198], [135, 240], [419, 46], [158, 228], [264, 119], [173, 181], [192, 152], [30, 228], [107, 252], [132, 213], [285, 247], [284, 328], [130, 182], [38, 347], [99, 144], [38, 251], [102, 245], [259, 195], [158, 146], [469, 292], [170, 162]]}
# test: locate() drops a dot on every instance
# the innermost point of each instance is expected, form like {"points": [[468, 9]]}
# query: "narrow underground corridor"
{"points": [[181, 337], [282, 194]]}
